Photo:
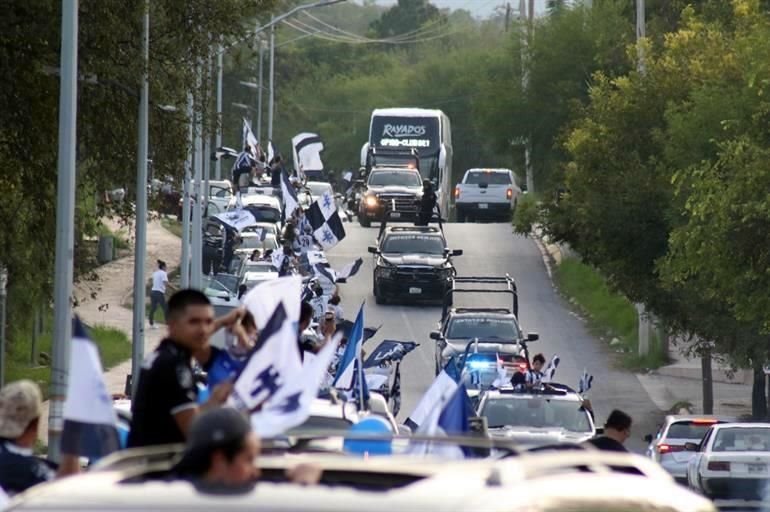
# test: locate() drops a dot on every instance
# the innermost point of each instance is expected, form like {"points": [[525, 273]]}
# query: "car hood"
{"points": [[393, 189], [458, 345], [428, 260], [533, 437]]}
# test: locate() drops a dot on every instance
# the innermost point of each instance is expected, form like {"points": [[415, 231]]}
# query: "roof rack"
{"points": [[483, 310], [392, 157], [507, 281], [436, 219]]}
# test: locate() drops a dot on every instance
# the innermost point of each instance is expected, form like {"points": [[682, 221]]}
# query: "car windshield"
{"points": [[413, 244], [483, 328], [395, 178], [253, 242], [694, 430], [228, 281], [319, 189], [742, 440], [265, 214], [488, 178], [541, 412]]}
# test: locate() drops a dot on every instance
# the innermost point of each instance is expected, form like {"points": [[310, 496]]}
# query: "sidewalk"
{"points": [[112, 290]]}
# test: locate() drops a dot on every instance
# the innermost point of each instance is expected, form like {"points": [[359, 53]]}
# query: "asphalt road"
{"points": [[492, 249]]}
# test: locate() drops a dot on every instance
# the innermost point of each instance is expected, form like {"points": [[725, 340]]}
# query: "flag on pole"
{"points": [[325, 221], [290, 199], [550, 369], [238, 219], [274, 362], [349, 270], [270, 152], [90, 422], [586, 381], [346, 369], [307, 153], [249, 139]]}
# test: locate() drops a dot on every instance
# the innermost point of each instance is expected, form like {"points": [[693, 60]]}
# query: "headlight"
{"points": [[385, 272], [370, 201]]}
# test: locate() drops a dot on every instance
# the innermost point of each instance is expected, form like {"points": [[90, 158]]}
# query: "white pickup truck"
{"points": [[486, 193]]}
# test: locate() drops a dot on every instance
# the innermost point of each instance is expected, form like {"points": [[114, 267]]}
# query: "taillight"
{"points": [[509, 193], [718, 466], [669, 448], [457, 192]]}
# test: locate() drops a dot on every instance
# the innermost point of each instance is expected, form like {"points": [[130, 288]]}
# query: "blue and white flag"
{"points": [[270, 152], [90, 422], [325, 271], [586, 381], [550, 369], [292, 404], [274, 363], [238, 219], [262, 300], [389, 351], [249, 139], [349, 270], [439, 392], [325, 221], [307, 153], [290, 199], [346, 369]]}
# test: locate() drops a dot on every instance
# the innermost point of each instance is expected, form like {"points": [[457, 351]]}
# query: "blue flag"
{"points": [[344, 379]]}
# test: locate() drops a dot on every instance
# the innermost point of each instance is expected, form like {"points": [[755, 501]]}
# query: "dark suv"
{"points": [[392, 193], [412, 262]]}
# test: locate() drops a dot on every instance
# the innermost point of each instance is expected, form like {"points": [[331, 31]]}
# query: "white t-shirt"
{"points": [[159, 280]]}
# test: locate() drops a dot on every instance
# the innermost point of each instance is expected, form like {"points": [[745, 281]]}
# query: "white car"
{"points": [[667, 446], [487, 193], [318, 189], [537, 417], [732, 462], [251, 241]]}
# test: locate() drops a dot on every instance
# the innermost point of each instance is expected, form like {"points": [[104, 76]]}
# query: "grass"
{"points": [[114, 348], [610, 314], [120, 238], [173, 226]]}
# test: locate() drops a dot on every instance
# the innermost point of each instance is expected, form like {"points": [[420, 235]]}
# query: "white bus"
{"points": [[428, 131]]}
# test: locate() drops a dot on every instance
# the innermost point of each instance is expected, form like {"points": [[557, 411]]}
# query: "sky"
{"points": [[479, 8]]}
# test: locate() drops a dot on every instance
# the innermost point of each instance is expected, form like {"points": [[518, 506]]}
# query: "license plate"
{"points": [[757, 468], [415, 291], [395, 215], [483, 206]]}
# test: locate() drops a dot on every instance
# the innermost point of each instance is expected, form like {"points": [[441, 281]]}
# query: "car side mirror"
{"points": [[600, 431], [372, 250], [435, 335], [648, 438], [691, 447], [457, 252], [533, 336]]}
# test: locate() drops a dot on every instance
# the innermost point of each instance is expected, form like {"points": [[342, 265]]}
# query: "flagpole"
{"points": [[359, 356], [65, 214]]}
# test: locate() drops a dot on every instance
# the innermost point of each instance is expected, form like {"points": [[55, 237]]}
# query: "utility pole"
{"points": [[526, 16], [186, 193], [218, 139], [207, 134], [271, 97], [641, 33], [65, 224], [507, 16], [196, 265], [3, 298], [260, 89], [140, 244]]}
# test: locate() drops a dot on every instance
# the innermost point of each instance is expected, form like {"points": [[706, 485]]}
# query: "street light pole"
{"points": [[140, 244], [218, 140], [259, 90], [271, 97], [186, 195], [65, 224], [196, 265]]}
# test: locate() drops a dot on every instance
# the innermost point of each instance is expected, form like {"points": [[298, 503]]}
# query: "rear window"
{"points": [[688, 430], [489, 178], [742, 440]]}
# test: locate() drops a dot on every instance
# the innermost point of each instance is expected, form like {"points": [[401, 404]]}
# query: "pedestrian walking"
{"points": [[158, 293]]}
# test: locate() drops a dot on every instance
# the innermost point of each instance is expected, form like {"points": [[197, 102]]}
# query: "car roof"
{"points": [[482, 313], [413, 230], [260, 200], [674, 418], [721, 426], [495, 170], [508, 394]]}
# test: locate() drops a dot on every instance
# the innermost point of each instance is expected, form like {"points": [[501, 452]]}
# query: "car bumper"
{"points": [[676, 469], [403, 288], [377, 213], [725, 488], [484, 209]]}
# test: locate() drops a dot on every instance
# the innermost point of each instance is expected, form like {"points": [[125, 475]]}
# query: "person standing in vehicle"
{"points": [[21, 405], [165, 401], [617, 430], [532, 377], [427, 203], [221, 453], [158, 293]]}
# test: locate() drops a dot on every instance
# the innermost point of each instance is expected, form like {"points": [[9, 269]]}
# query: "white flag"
{"points": [[262, 300]]}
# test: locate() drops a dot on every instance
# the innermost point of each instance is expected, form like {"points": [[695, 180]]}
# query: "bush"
{"points": [[527, 214]]}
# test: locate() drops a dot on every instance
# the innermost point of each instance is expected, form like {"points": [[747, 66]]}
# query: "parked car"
{"points": [[732, 461]]}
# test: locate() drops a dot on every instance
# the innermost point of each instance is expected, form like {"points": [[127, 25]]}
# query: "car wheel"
{"points": [[364, 221], [379, 299]]}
